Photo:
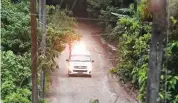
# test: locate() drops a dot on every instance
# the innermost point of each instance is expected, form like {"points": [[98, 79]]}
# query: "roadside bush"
{"points": [[15, 78]]}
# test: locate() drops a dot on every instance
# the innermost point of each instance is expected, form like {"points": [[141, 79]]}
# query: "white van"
{"points": [[80, 63]]}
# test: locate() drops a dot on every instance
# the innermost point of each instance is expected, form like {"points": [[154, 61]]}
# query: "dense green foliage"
{"points": [[132, 34], [16, 77], [16, 47], [134, 40], [15, 69], [103, 9], [15, 26], [95, 7]]}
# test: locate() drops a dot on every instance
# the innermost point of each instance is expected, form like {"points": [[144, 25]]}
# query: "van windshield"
{"points": [[80, 58]]}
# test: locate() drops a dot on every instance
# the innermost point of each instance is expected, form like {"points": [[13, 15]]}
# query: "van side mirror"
{"points": [[67, 60]]}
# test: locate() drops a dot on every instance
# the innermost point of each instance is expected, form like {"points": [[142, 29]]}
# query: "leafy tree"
{"points": [[15, 26]]}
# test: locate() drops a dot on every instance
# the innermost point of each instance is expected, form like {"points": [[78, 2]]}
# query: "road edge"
{"points": [[126, 86]]}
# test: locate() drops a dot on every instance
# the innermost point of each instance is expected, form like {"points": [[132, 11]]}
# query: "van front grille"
{"points": [[80, 67], [80, 70]]}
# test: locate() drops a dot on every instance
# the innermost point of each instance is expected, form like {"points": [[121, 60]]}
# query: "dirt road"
{"points": [[100, 86]]}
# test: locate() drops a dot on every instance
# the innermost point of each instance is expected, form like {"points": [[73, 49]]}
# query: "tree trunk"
{"points": [[156, 50]]}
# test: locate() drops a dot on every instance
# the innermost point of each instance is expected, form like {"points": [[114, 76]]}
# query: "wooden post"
{"points": [[34, 52], [158, 8]]}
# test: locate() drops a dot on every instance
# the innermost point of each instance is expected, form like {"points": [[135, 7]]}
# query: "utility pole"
{"points": [[158, 8], [34, 52], [42, 16], [39, 10]]}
